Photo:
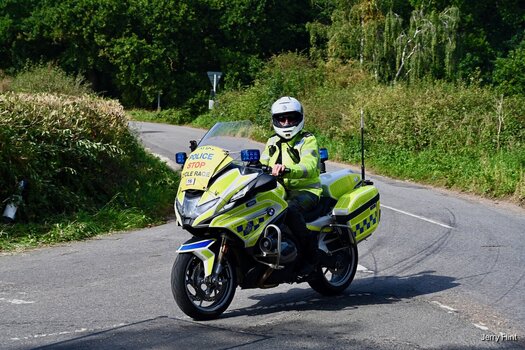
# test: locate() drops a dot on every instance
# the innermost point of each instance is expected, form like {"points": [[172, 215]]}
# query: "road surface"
{"points": [[442, 271]]}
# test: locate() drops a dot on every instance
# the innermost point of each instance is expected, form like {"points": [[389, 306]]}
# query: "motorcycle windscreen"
{"points": [[200, 167]]}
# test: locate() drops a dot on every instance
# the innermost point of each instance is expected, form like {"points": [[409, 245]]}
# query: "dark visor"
{"points": [[293, 117]]}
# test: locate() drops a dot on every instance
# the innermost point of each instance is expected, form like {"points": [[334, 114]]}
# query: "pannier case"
{"points": [[360, 210]]}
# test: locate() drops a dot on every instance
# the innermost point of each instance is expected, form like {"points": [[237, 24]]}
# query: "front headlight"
{"points": [[242, 192], [192, 210], [238, 196]]}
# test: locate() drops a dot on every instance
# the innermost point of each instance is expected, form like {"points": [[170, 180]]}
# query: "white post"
{"points": [[10, 212], [214, 80]]}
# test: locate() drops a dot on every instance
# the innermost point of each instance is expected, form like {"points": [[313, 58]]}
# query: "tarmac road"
{"points": [[442, 271]]}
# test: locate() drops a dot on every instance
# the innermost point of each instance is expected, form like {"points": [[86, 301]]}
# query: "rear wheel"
{"points": [[335, 277], [199, 297]]}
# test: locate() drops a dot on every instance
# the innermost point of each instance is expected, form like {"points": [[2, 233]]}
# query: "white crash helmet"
{"points": [[289, 107]]}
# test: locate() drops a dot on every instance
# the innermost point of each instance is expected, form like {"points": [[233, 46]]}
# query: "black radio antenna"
{"points": [[362, 146], [363, 181]]}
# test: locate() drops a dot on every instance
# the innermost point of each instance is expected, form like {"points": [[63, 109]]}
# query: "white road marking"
{"points": [[481, 326], [16, 301], [363, 269], [417, 216], [445, 307]]}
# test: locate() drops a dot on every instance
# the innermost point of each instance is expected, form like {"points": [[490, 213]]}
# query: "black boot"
{"points": [[312, 251], [310, 255]]}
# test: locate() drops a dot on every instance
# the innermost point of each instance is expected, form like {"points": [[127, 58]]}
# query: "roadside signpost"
{"points": [[214, 80]]}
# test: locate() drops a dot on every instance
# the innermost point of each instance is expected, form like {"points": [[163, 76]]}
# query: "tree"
{"points": [[13, 51], [428, 47], [132, 49], [508, 74], [362, 31], [76, 33], [244, 33], [488, 29]]}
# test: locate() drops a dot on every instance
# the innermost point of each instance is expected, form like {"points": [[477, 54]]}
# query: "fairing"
{"points": [[217, 190]]}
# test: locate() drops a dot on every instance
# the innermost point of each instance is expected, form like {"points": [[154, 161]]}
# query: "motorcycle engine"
{"points": [[288, 252], [288, 249]]}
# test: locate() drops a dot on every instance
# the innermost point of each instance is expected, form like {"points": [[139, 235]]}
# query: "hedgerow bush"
{"points": [[464, 137], [468, 138], [78, 155], [169, 116], [49, 79]]}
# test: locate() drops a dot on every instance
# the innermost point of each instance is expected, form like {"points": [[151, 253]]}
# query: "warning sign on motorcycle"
{"points": [[200, 167]]}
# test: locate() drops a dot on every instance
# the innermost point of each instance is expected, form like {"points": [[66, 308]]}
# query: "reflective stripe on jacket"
{"points": [[301, 156]]}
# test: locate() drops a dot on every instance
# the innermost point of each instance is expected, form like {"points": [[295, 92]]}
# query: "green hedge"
{"points": [[463, 137], [77, 154]]}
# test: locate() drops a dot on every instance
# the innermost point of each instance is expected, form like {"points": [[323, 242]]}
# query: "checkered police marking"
{"points": [[366, 223], [251, 225]]}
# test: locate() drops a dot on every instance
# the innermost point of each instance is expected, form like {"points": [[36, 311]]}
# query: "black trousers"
{"points": [[298, 203]]}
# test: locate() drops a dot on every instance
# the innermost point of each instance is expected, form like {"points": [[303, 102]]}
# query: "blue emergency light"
{"points": [[180, 158], [323, 154], [250, 155]]}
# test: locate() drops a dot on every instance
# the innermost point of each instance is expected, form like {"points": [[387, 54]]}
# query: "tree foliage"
{"points": [[509, 71], [134, 49], [392, 47], [441, 39]]}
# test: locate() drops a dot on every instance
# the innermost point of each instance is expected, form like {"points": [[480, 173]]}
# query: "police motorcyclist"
{"points": [[294, 149]]}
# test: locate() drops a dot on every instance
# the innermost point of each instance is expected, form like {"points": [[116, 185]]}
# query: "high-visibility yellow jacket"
{"points": [[301, 156]]}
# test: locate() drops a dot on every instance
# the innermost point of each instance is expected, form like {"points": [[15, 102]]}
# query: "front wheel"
{"points": [[199, 297], [334, 279]]}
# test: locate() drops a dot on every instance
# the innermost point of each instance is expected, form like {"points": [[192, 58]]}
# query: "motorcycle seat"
{"points": [[325, 205]]}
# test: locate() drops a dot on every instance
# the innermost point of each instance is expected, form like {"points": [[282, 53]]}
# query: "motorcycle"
{"points": [[235, 211]]}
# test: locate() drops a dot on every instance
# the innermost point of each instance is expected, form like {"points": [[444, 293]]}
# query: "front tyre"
{"points": [[199, 297], [334, 279]]}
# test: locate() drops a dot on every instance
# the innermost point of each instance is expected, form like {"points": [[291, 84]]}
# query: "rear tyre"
{"points": [[334, 279], [199, 297]]}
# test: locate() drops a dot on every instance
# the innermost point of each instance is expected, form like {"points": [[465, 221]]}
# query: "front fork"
{"points": [[223, 249]]}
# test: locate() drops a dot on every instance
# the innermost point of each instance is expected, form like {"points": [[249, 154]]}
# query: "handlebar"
{"points": [[268, 169]]}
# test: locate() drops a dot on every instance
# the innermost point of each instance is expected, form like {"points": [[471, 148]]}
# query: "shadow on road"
{"points": [[282, 333], [170, 333], [363, 291], [151, 132], [160, 333]]}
